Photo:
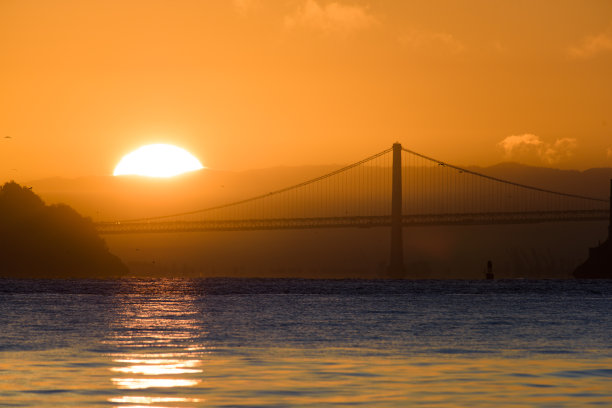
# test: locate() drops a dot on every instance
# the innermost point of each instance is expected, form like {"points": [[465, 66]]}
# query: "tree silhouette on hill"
{"points": [[49, 241]]}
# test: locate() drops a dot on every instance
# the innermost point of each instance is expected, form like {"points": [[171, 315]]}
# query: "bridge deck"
{"points": [[351, 222]]}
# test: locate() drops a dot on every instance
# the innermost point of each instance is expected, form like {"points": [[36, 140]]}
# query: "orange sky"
{"points": [[258, 83]]}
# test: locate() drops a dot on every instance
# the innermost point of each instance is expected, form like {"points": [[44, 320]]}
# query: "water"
{"points": [[300, 343]]}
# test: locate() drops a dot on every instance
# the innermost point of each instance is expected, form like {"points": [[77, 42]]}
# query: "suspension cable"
{"points": [[282, 190], [505, 181]]}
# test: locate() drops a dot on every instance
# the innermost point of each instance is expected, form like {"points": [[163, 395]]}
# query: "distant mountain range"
{"points": [[592, 182], [109, 198]]}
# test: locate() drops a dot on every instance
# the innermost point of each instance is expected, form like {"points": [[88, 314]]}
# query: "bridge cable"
{"points": [[282, 190], [505, 181]]}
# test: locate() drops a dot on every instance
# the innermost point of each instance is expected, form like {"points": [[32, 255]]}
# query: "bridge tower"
{"points": [[396, 261]]}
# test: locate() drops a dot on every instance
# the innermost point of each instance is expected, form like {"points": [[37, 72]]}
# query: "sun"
{"points": [[157, 160]]}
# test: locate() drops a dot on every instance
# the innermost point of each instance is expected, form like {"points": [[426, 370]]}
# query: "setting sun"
{"points": [[157, 160]]}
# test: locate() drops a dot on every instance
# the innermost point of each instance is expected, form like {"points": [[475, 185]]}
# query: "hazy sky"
{"points": [[258, 83]]}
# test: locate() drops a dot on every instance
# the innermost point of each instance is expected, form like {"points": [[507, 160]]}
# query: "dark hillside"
{"points": [[49, 241]]}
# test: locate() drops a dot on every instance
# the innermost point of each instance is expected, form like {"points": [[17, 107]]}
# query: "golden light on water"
{"points": [[143, 383], [152, 400], [154, 370], [156, 350], [162, 360], [189, 373]]}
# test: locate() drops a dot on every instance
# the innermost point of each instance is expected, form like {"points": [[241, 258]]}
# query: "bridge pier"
{"points": [[396, 260], [610, 215]]}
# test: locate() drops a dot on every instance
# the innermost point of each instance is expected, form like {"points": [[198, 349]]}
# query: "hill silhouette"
{"points": [[49, 241], [599, 263]]}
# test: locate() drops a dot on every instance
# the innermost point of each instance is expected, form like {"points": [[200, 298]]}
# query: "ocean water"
{"points": [[301, 343]]}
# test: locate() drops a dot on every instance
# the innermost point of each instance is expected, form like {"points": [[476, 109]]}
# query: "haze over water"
{"points": [[303, 343]]}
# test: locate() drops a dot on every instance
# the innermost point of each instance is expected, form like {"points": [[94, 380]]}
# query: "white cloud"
{"points": [[514, 143], [429, 40], [592, 45], [531, 148], [561, 149], [330, 18]]}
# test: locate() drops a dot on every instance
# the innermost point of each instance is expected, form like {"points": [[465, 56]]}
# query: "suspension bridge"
{"points": [[393, 188]]}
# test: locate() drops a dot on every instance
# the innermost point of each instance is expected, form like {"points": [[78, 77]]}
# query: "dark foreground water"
{"points": [[299, 343]]}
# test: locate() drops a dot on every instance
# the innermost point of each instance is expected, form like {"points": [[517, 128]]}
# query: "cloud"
{"points": [[527, 141], [430, 40], [561, 149], [593, 45], [330, 18], [529, 147]]}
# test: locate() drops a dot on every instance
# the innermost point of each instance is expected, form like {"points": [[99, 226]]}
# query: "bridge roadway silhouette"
{"points": [[394, 188], [414, 220]]}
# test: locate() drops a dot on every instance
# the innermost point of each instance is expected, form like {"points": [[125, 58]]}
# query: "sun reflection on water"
{"points": [[158, 367], [156, 349], [143, 383], [152, 400]]}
